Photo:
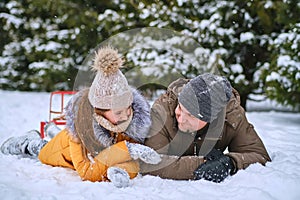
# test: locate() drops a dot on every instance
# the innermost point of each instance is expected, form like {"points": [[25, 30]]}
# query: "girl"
{"points": [[105, 124]]}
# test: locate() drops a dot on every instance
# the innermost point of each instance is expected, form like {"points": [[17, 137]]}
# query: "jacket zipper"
{"points": [[195, 148]]}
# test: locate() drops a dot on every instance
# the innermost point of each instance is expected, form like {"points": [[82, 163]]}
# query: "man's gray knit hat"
{"points": [[205, 96]]}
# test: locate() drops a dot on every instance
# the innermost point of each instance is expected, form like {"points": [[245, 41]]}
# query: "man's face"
{"points": [[117, 116], [186, 121]]}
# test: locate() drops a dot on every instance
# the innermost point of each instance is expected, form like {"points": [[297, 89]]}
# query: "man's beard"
{"points": [[185, 130]]}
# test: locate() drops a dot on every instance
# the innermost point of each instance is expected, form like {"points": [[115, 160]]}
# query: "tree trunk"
{"points": [[244, 100]]}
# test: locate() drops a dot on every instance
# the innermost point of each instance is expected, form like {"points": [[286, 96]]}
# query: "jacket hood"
{"points": [[137, 129]]}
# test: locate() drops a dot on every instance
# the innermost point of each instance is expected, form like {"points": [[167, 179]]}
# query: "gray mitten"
{"points": [[119, 177], [144, 153]]}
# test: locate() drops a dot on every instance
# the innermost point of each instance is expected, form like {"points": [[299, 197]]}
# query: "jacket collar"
{"points": [[138, 127]]}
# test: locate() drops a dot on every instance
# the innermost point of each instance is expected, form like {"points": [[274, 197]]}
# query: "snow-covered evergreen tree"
{"points": [[256, 43]]}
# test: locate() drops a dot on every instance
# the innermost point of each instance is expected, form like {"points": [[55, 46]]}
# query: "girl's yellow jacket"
{"points": [[64, 152], [67, 148]]}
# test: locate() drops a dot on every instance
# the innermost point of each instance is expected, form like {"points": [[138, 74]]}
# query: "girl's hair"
{"points": [[99, 111]]}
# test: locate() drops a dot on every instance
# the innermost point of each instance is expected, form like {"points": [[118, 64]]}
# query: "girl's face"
{"points": [[117, 116]]}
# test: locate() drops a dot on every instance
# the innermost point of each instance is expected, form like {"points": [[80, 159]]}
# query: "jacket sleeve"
{"points": [[245, 147], [171, 167], [94, 169]]}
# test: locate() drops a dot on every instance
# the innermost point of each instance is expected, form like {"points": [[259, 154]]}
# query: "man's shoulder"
{"points": [[172, 92], [177, 85], [235, 113], [234, 102], [167, 102]]}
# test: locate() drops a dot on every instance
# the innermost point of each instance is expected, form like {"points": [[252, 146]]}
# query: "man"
{"points": [[193, 123]]}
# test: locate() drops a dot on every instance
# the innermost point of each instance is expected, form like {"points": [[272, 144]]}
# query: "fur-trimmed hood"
{"points": [[137, 129]]}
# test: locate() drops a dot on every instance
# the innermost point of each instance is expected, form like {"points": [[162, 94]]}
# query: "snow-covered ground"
{"points": [[25, 178]]}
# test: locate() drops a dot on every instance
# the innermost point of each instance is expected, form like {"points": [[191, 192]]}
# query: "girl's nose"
{"points": [[124, 115]]}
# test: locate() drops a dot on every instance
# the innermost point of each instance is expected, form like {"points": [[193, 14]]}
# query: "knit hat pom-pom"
{"points": [[107, 61]]}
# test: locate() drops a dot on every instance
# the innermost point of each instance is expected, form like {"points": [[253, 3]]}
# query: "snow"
{"points": [[236, 68], [11, 19], [246, 36], [50, 46], [285, 61], [26, 178]]}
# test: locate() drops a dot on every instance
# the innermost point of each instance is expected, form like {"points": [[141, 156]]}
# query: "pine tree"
{"points": [[255, 43]]}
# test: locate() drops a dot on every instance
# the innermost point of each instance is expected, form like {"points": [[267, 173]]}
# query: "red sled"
{"points": [[58, 100]]}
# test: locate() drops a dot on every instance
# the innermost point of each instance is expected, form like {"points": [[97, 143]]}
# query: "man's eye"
{"points": [[192, 116]]}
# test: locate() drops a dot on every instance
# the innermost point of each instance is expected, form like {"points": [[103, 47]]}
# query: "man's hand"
{"points": [[214, 154], [216, 168]]}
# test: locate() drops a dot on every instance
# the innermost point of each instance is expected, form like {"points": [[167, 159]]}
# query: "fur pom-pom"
{"points": [[107, 60]]}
